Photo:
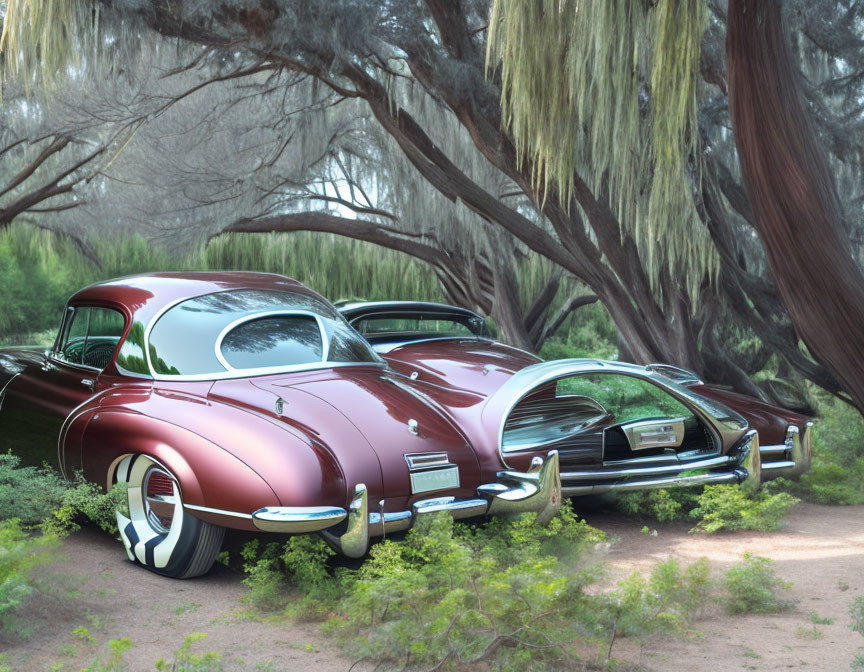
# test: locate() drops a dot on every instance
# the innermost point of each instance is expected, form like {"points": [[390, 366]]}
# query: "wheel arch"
{"points": [[208, 476]]}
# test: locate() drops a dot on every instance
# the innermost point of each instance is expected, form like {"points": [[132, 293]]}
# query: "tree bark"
{"points": [[797, 212]]}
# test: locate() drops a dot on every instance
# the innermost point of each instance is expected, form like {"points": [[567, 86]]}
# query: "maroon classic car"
{"points": [[246, 400]]}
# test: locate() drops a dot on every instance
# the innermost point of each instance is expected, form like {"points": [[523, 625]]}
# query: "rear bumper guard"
{"points": [[792, 458], [742, 465], [537, 490]]}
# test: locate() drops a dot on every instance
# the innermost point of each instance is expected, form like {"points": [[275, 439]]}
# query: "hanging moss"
{"points": [[608, 89]]}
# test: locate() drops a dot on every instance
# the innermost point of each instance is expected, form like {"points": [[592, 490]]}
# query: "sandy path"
{"points": [[820, 550], [118, 599]]}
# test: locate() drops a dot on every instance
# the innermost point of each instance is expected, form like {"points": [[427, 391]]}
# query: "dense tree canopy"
{"points": [[634, 190]]}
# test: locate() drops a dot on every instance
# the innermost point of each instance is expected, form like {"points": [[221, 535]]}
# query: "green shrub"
{"points": [[20, 552], [728, 507], [856, 612], [265, 578], [837, 474], [446, 593], [663, 505], [832, 484], [717, 507], [187, 661], [28, 494], [666, 601], [117, 648], [88, 500], [751, 587], [508, 593]]}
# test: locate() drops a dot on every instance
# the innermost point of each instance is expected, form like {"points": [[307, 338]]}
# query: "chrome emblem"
{"points": [[413, 427]]}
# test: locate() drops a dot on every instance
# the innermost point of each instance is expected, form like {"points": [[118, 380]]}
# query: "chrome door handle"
{"points": [[89, 382]]}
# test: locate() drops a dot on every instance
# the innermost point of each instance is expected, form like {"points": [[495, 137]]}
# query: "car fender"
{"points": [[228, 449], [208, 476]]}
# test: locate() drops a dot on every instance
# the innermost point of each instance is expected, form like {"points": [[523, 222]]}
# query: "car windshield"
{"points": [[252, 332], [414, 324]]}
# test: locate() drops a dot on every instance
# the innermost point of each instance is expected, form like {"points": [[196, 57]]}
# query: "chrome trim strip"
{"points": [[671, 481], [4, 388], [524, 381], [297, 520], [773, 450], [685, 377], [83, 367], [780, 464], [64, 428], [599, 474], [220, 512], [666, 458], [250, 373], [419, 461]]}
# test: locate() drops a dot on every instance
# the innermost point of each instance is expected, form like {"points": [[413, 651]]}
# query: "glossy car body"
{"points": [[475, 362], [347, 448], [245, 400]]}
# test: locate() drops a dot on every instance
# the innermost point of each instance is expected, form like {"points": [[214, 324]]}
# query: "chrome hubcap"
{"points": [[159, 494]]}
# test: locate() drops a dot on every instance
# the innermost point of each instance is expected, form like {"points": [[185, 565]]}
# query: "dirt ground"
{"points": [[821, 551]]}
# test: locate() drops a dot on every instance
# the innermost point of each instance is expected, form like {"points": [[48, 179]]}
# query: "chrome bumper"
{"points": [[792, 458], [742, 465], [538, 490]]}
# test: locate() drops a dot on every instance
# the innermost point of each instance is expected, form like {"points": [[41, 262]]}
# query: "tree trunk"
{"points": [[797, 211]]}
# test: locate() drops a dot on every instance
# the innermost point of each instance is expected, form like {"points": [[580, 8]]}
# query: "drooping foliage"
{"points": [[41, 39], [622, 111], [651, 59]]}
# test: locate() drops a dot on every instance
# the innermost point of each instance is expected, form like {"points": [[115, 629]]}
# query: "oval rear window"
{"points": [[284, 340]]}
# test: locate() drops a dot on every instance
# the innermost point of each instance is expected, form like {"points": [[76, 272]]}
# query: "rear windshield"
{"points": [[254, 331], [285, 340]]}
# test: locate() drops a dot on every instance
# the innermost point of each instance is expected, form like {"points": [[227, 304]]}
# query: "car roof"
{"points": [[143, 296]]}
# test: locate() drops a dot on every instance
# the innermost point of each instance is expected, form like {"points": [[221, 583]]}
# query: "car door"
{"points": [[40, 398]]}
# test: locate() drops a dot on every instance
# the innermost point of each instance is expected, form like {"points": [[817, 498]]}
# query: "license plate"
{"points": [[435, 479]]}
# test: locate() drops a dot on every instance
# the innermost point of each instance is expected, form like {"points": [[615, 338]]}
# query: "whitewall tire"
{"points": [[159, 533]]}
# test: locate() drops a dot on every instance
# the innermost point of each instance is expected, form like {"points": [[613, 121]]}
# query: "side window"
{"points": [[90, 336]]}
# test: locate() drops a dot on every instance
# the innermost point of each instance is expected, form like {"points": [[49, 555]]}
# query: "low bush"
{"points": [[715, 507], [751, 587], [112, 659], [666, 601], [663, 505], [187, 661], [453, 595], [837, 474], [728, 507], [28, 494], [506, 595], [88, 501]]}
